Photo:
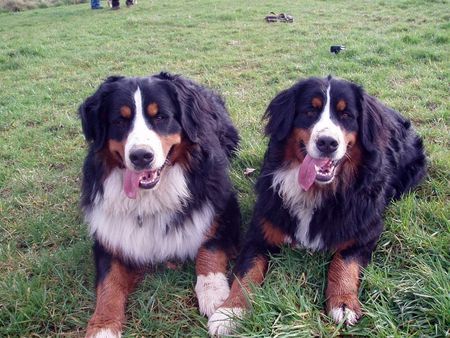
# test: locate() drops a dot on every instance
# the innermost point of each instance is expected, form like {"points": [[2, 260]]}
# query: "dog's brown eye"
{"points": [[160, 117], [120, 122]]}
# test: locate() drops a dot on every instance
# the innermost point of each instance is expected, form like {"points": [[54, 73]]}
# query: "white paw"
{"points": [[212, 290], [106, 333], [343, 313], [223, 321]]}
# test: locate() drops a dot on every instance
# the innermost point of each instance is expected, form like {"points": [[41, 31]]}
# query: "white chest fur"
{"points": [[300, 204], [140, 228]]}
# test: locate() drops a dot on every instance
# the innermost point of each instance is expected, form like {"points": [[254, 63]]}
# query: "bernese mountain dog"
{"points": [[156, 188], [335, 159]]}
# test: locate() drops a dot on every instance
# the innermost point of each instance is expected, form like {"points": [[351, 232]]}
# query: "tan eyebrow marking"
{"points": [[152, 109], [125, 112], [317, 102], [341, 105]]}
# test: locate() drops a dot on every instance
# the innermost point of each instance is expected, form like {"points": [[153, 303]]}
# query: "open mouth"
{"points": [[146, 179], [325, 172], [320, 170]]}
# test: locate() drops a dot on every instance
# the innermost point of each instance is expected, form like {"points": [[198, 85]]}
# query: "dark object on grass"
{"points": [[115, 4], [282, 17], [337, 49]]}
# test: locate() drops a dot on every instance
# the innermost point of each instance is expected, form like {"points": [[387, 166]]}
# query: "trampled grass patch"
{"points": [[53, 58]]}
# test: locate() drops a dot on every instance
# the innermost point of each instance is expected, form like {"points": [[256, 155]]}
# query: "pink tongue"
{"points": [[131, 183], [307, 172]]}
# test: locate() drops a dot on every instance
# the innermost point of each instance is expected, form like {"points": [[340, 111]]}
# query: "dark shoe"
{"points": [[115, 8], [272, 17], [129, 3], [283, 17]]}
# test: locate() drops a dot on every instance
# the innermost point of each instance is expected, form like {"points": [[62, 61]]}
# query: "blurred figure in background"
{"points": [[116, 3], [95, 4]]}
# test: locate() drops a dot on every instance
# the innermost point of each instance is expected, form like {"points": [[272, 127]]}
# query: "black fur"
{"points": [[393, 162], [204, 121]]}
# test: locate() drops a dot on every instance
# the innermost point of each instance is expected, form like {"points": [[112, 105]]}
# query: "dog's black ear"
{"points": [[280, 114], [194, 106], [93, 116], [371, 123], [93, 128], [372, 134]]}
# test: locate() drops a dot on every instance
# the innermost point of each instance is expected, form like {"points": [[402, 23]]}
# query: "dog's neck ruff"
{"points": [[141, 230], [299, 203]]}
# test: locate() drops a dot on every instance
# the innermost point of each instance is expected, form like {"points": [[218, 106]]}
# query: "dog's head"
{"points": [[135, 124], [325, 123]]}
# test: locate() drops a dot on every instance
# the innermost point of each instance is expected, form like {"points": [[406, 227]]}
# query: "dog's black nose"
{"points": [[327, 145], [141, 158]]}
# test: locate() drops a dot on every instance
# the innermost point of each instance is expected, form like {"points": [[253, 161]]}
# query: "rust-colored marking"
{"points": [[211, 261], [113, 155], [211, 233], [181, 153], [112, 294], [349, 301], [125, 111], [242, 286], [272, 234], [317, 102], [152, 109], [168, 141], [350, 138], [343, 283], [343, 246], [341, 105], [292, 151], [352, 160], [117, 148]]}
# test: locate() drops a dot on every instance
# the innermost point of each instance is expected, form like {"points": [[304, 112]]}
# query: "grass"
{"points": [[51, 59], [22, 5]]}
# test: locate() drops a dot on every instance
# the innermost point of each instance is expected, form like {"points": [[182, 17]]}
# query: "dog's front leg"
{"points": [[115, 281], [342, 290], [212, 286], [342, 302], [250, 270]]}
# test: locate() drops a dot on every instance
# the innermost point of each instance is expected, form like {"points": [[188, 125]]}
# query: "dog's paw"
{"points": [[103, 333], [212, 290], [340, 314], [100, 327], [344, 308], [223, 321]]}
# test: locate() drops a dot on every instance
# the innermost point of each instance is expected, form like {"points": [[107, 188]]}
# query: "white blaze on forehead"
{"points": [[325, 126], [142, 137]]}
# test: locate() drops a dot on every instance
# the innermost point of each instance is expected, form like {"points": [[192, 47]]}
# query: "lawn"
{"points": [[23, 5], [52, 59]]}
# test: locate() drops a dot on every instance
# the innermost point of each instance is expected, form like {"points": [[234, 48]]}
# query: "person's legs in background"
{"points": [[115, 4], [95, 4]]}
